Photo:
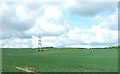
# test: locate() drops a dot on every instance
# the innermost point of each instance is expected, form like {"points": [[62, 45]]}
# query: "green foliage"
{"points": [[60, 60]]}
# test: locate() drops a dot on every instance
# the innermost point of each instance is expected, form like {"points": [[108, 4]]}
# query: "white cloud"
{"points": [[53, 22], [110, 22], [69, 3], [33, 18], [28, 43], [15, 20], [34, 41], [94, 37], [24, 20], [91, 8], [53, 12], [16, 43], [103, 34]]}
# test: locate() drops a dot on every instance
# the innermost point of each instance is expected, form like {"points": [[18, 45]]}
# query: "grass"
{"points": [[60, 60]]}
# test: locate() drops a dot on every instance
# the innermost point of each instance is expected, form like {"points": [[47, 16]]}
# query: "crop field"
{"points": [[59, 60]]}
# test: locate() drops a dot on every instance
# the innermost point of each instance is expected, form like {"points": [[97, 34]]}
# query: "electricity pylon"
{"points": [[39, 44]]}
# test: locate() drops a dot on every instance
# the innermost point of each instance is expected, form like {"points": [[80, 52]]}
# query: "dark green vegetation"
{"points": [[60, 60]]}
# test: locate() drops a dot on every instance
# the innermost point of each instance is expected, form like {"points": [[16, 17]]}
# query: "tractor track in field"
{"points": [[27, 70]]}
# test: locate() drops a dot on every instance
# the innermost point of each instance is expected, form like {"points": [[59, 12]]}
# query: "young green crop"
{"points": [[60, 60]]}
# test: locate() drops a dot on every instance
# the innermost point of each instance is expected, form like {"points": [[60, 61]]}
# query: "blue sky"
{"points": [[65, 24], [84, 22], [80, 22]]}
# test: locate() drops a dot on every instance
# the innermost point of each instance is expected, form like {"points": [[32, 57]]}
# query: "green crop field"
{"points": [[60, 60]]}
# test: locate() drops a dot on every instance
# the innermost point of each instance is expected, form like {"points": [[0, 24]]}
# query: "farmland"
{"points": [[60, 60]]}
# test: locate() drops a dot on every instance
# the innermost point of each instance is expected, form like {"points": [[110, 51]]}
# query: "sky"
{"points": [[60, 24]]}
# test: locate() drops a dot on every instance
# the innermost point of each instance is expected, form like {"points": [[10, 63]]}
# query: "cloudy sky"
{"points": [[61, 24]]}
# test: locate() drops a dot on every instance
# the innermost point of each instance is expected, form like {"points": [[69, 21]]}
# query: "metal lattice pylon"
{"points": [[39, 44]]}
